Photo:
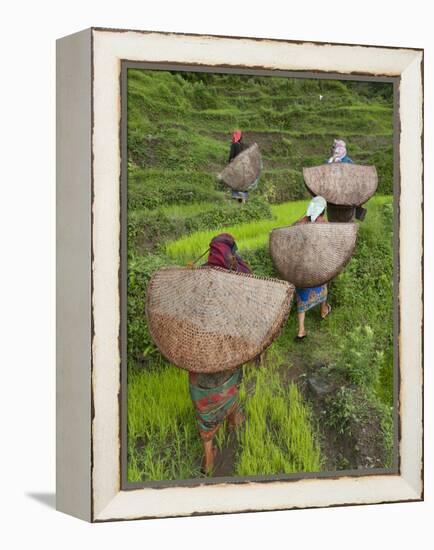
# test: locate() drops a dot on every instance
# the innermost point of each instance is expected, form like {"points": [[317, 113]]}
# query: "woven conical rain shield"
{"points": [[210, 319], [244, 170], [312, 254], [342, 183]]}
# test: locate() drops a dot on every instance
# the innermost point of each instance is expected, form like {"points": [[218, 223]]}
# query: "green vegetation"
{"points": [[154, 188], [180, 123], [278, 436], [162, 434], [178, 140], [249, 236], [147, 229]]}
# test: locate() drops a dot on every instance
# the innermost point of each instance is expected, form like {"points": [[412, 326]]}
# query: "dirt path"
{"points": [[226, 458]]}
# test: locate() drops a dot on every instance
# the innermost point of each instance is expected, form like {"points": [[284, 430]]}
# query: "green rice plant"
{"points": [[163, 441], [249, 236], [278, 436], [229, 213], [358, 361], [148, 228], [262, 445], [179, 126]]}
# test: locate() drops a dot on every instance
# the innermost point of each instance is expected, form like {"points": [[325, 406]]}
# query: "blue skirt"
{"points": [[308, 298]]}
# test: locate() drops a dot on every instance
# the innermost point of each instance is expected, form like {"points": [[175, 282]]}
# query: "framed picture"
{"points": [[239, 274]]}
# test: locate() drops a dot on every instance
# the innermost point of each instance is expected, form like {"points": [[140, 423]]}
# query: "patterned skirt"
{"points": [[308, 298], [214, 396]]}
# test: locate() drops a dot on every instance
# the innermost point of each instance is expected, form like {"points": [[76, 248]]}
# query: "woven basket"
{"points": [[312, 254], [210, 319], [244, 170], [342, 183]]}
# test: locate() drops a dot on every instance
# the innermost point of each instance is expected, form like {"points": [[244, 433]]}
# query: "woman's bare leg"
{"points": [[301, 331], [209, 455], [325, 309], [236, 418]]}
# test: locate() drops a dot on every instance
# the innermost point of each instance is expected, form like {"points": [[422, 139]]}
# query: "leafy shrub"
{"points": [[351, 411], [366, 285], [230, 213], [154, 188], [176, 148], [357, 360], [382, 159], [364, 293], [260, 262], [372, 90], [148, 228], [140, 270], [282, 186], [343, 412]]}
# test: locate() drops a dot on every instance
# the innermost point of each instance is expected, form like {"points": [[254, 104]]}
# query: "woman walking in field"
{"points": [[215, 396], [339, 152], [307, 298], [237, 145]]}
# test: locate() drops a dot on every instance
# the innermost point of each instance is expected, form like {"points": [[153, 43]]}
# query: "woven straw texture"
{"points": [[210, 319], [312, 254], [244, 170], [342, 183]]}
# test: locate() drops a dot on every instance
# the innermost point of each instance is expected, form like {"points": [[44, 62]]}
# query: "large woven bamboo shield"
{"points": [[342, 183], [244, 170], [312, 254], [210, 319]]}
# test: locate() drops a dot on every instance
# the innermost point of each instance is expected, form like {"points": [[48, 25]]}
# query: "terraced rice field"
{"points": [[178, 141]]}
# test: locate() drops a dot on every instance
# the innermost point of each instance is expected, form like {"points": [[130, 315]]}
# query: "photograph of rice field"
{"points": [[323, 403]]}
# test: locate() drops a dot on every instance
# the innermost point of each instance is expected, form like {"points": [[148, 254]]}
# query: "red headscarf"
{"points": [[236, 136], [223, 254]]}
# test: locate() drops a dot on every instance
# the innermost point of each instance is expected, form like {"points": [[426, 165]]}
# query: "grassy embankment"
{"points": [[178, 129]]}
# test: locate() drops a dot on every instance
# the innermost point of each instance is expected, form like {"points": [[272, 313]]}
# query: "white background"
{"points": [[27, 153]]}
